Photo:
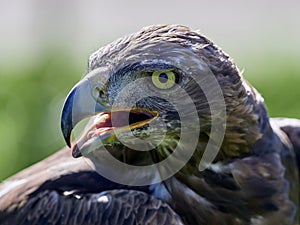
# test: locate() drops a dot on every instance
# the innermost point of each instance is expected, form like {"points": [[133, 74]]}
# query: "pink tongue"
{"points": [[103, 130], [99, 131], [104, 121]]}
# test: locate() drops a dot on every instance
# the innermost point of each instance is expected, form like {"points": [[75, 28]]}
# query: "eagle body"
{"points": [[176, 136]]}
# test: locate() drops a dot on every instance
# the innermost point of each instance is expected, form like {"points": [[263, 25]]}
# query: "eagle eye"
{"points": [[164, 79]]}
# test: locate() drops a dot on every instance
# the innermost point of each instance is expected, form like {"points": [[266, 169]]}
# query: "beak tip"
{"points": [[76, 152], [68, 144]]}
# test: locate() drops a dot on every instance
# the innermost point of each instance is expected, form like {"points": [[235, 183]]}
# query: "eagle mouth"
{"points": [[108, 125]]}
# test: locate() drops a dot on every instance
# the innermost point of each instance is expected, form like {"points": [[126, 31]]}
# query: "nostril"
{"points": [[101, 94]]}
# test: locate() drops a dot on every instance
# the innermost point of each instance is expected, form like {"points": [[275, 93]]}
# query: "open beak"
{"points": [[79, 104], [106, 126]]}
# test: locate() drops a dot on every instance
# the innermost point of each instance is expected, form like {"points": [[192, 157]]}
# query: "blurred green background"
{"points": [[45, 46]]}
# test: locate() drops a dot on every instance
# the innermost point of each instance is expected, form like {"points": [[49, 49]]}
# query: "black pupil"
{"points": [[163, 77]]}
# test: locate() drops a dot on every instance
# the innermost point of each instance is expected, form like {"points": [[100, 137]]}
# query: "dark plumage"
{"points": [[252, 180]]}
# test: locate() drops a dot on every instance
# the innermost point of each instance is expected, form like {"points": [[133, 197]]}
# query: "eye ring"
{"points": [[164, 79]]}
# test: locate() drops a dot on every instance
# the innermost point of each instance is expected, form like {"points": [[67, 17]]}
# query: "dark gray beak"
{"points": [[79, 104]]}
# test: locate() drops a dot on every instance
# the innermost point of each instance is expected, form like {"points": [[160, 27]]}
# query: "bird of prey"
{"points": [[176, 136]]}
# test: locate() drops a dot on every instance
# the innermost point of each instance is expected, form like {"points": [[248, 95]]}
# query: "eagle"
{"points": [[175, 135]]}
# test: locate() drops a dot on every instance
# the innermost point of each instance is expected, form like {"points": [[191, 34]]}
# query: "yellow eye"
{"points": [[164, 80]]}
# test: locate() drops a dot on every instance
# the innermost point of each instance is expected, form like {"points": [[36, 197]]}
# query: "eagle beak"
{"points": [[82, 102], [79, 104]]}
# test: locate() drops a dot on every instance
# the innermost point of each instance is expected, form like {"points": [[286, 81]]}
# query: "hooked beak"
{"points": [[79, 104]]}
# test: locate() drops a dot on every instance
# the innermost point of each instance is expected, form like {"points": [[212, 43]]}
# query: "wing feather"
{"points": [[121, 206]]}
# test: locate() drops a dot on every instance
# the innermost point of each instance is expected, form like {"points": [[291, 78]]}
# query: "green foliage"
{"points": [[277, 78], [31, 99]]}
